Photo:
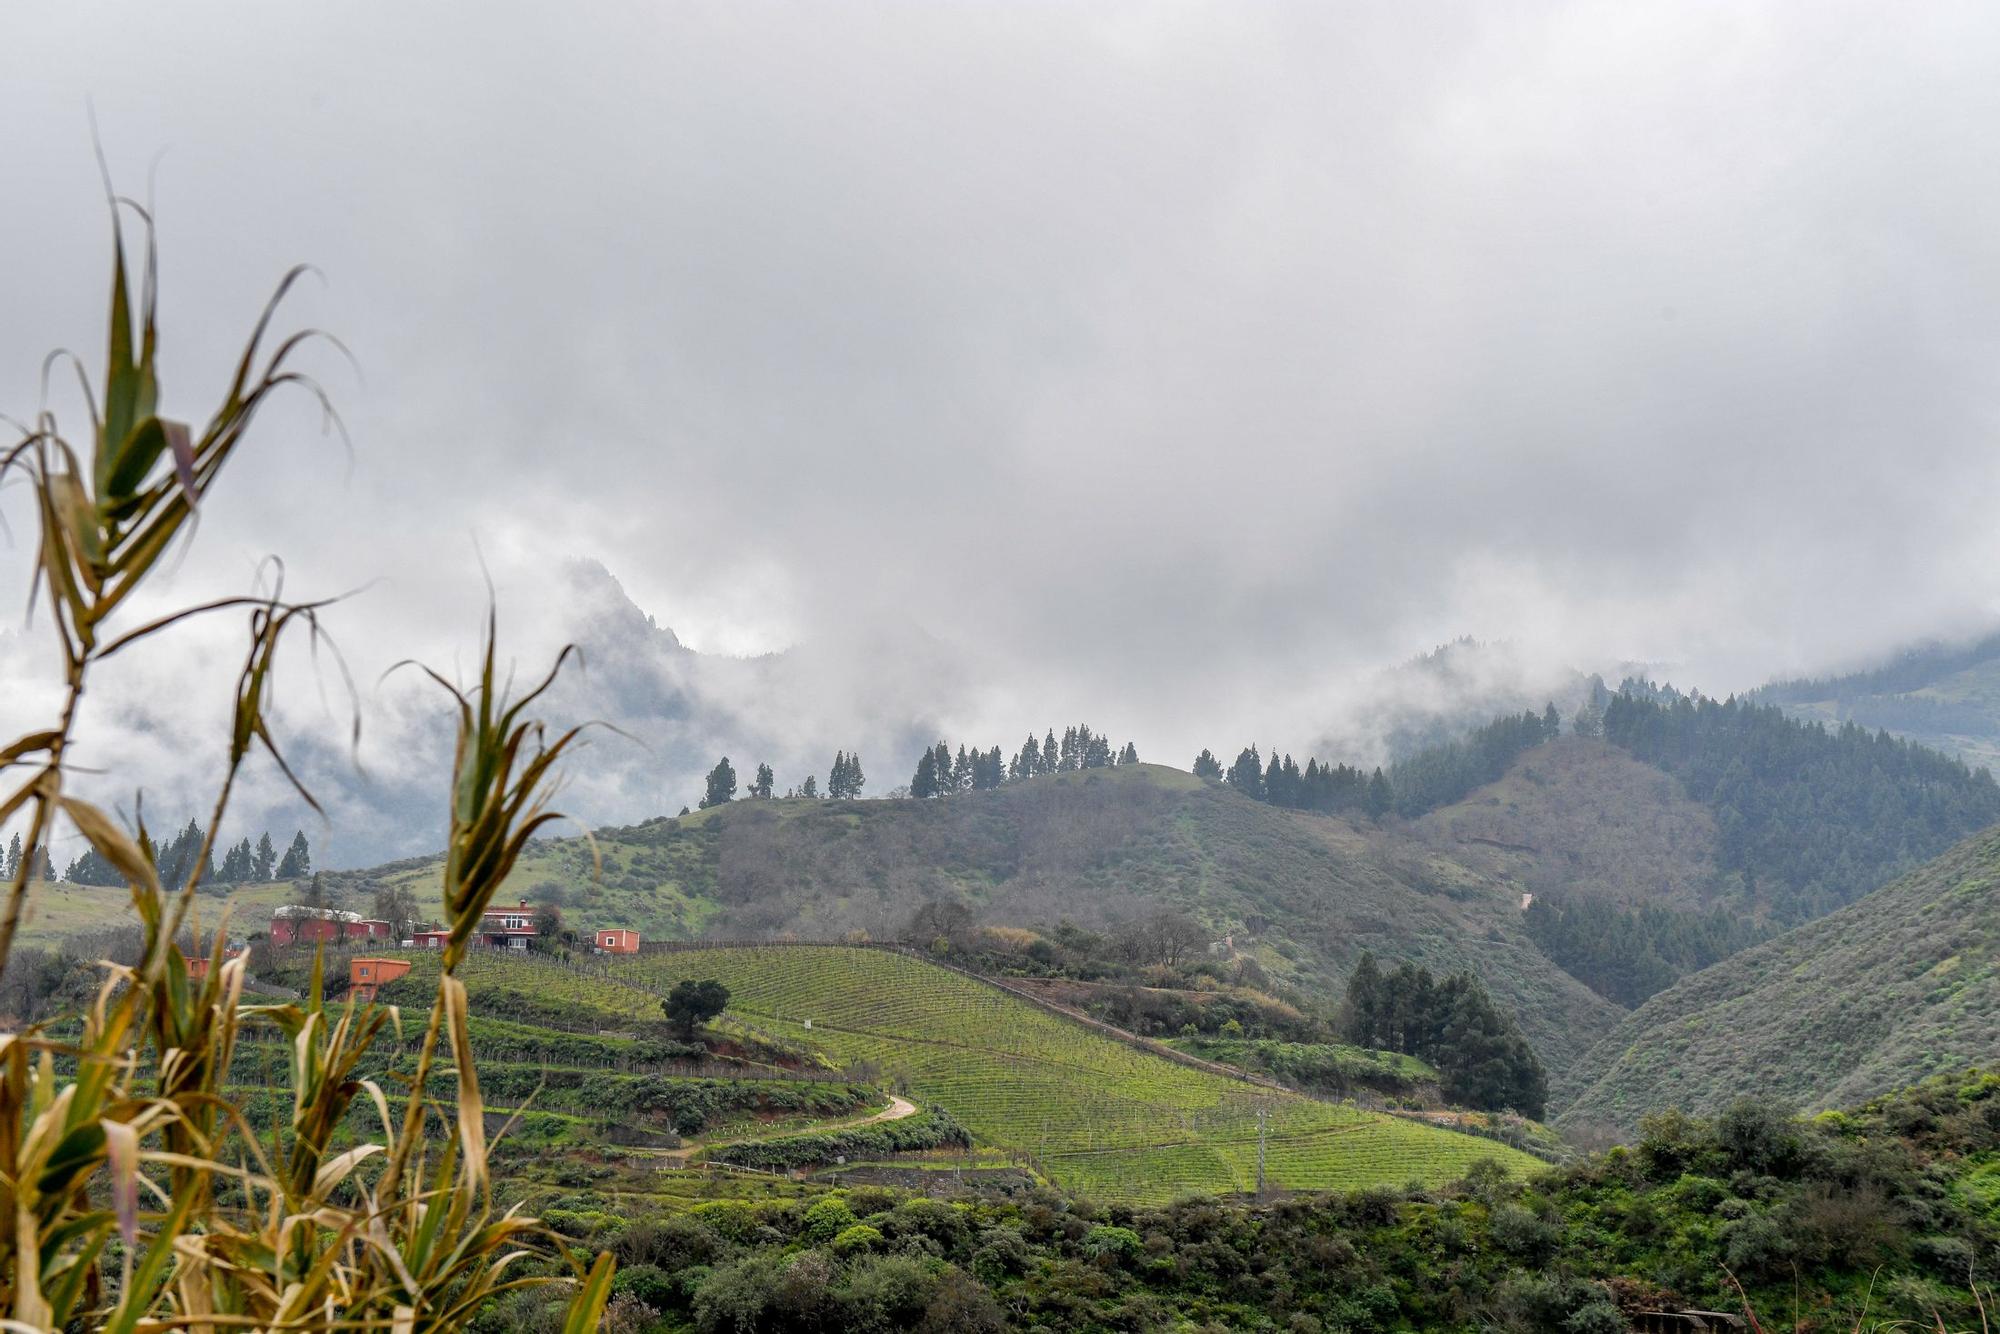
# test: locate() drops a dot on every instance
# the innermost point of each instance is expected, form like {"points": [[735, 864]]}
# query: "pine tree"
{"points": [[1552, 725], [92, 869], [297, 862], [266, 864], [844, 780], [721, 787], [1362, 1018], [177, 861], [924, 783], [240, 864], [13, 857], [761, 787], [1051, 756], [1247, 774], [810, 788], [1380, 796], [1207, 766], [1130, 755]]}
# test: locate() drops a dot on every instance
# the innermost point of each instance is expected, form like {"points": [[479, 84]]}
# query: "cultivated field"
{"points": [[1092, 1113]]}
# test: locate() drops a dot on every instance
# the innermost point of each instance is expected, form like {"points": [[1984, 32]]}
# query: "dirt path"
{"points": [[897, 1109]]}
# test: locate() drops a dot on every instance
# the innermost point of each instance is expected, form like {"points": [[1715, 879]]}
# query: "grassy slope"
{"points": [[1096, 1115], [1583, 816], [1881, 994], [1304, 894]]}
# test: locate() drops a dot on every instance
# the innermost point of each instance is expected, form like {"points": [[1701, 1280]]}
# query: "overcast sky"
{"points": [[1164, 366]]}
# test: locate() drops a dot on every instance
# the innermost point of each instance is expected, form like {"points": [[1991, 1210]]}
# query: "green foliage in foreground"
{"points": [[1809, 1215]]}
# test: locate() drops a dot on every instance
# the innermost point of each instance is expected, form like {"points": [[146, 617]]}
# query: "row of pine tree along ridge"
{"points": [[938, 771], [843, 783], [241, 864]]}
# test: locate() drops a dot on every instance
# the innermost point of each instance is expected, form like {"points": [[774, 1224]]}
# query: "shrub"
{"points": [[1002, 1255], [941, 1222], [1115, 1243], [648, 1284], [1757, 1137], [961, 1306], [732, 1220], [671, 1243], [1597, 1317], [826, 1219], [889, 1292], [856, 1239]]}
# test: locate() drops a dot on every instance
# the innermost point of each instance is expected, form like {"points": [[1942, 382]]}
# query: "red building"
{"points": [[499, 929], [615, 940], [297, 924]]}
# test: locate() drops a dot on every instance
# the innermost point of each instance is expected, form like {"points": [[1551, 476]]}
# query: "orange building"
{"points": [[615, 940], [197, 964], [365, 976]]}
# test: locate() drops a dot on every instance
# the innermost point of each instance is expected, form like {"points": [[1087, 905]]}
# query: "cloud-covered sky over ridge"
{"points": [[1170, 364]]}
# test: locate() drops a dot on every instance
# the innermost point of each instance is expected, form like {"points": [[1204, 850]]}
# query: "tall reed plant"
{"points": [[134, 1195]]}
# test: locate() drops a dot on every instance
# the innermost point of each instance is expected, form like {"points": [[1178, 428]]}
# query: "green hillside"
{"points": [[1896, 987], [1094, 1114]]}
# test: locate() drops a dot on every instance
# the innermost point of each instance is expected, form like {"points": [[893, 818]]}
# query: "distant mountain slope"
{"points": [[1898, 986], [1581, 816], [1942, 695], [1810, 818]]}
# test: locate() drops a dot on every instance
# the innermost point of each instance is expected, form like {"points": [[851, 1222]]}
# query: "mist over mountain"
{"points": [[1942, 692]]}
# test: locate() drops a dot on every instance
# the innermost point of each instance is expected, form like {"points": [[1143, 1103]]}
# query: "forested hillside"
{"points": [[1900, 985], [1808, 818]]}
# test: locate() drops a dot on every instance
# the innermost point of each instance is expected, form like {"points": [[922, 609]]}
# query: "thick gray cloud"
{"points": [[1170, 367]]}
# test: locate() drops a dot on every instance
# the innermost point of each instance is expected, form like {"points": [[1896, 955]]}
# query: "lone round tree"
{"points": [[690, 1004]]}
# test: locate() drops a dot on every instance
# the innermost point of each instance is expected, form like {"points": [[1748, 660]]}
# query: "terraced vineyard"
{"points": [[1094, 1114]]}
